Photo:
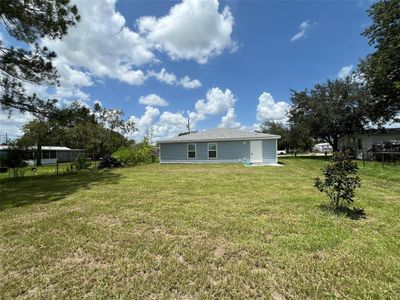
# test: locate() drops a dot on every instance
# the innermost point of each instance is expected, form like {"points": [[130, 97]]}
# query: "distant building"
{"points": [[50, 154], [322, 147], [363, 143]]}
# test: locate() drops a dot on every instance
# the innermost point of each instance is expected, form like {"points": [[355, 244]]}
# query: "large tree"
{"points": [[44, 129], [27, 21], [330, 109], [381, 69], [277, 128], [293, 137], [99, 131]]}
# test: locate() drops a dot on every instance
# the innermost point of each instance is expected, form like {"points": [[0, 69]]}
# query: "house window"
{"points": [[191, 151], [212, 150], [49, 154], [53, 154]]}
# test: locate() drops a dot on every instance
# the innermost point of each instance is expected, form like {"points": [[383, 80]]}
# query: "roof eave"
{"points": [[272, 137]]}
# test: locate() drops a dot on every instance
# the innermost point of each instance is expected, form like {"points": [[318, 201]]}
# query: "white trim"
{"points": [[221, 140], [216, 150], [187, 151]]}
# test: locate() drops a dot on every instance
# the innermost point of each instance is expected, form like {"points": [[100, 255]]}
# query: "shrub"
{"points": [[82, 163], [341, 180], [140, 153]]}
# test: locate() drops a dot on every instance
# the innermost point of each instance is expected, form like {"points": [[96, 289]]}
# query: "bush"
{"points": [[82, 163], [341, 180], [141, 153]]}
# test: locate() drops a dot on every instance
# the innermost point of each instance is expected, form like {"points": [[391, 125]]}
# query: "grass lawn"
{"points": [[198, 231]]}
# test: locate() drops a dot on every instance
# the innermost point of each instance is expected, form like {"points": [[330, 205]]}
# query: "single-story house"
{"points": [[50, 154], [362, 143], [220, 145]]}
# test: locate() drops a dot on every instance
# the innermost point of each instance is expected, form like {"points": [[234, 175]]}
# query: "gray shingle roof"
{"points": [[220, 134]]}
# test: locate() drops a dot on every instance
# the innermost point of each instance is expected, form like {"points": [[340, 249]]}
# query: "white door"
{"points": [[256, 151]]}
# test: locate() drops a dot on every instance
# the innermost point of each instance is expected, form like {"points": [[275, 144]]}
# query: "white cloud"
{"points": [[303, 29], [171, 79], [170, 124], [189, 83], [163, 76], [345, 71], [229, 120], [269, 109], [192, 30], [217, 102], [12, 124], [153, 100], [146, 121], [102, 44]]}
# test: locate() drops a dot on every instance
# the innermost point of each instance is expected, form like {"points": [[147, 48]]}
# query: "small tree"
{"points": [[341, 180]]}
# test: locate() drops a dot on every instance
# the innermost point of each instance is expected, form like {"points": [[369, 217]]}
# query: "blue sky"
{"points": [[241, 57]]}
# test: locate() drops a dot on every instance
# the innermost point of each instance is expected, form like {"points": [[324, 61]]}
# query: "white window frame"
{"points": [[195, 151], [216, 151]]}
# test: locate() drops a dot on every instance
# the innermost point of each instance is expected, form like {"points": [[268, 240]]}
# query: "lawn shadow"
{"points": [[45, 189], [351, 213], [309, 157]]}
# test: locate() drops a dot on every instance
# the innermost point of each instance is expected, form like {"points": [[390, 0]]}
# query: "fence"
{"points": [[49, 169]]}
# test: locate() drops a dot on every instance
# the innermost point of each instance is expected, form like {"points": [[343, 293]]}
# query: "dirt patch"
{"points": [[219, 252], [80, 258]]}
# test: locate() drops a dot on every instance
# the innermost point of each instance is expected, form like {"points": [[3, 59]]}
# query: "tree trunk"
{"points": [[336, 143], [39, 155]]}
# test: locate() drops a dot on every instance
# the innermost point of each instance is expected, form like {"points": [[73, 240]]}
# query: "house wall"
{"points": [[269, 151], [227, 152], [68, 155]]}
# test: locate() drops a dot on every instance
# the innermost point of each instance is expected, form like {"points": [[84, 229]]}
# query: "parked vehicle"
{"points": [[281, 152], [322, 148]]}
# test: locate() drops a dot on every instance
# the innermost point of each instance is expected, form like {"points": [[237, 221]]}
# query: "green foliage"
{"points": [[140, 153], [341, 180], [78, 128], [292, 137], [27, 21], [330, 109], [13, 157], [82, 163], [381, 69]]}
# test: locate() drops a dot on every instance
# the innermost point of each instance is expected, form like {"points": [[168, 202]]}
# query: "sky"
{"points": [[218, 63]]}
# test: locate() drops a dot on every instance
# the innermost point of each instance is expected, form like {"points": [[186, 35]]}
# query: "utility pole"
{"points": [[188, 124]]}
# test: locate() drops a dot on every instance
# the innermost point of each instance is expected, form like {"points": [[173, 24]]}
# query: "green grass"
{"points": [[198, 231]]}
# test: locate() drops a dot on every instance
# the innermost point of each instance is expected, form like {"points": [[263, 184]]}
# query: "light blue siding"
{"points": [[269, 151], [227, 151]]}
